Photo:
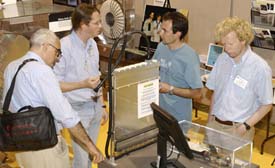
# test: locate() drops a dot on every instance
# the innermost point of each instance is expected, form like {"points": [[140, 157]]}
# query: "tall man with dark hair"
{"points": [[179, 67], [36, 85], [78, 73]]}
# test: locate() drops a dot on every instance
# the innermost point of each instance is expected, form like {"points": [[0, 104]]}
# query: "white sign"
{"points": [[59, 26], [148, 92], [159, 2], [9, 2]]}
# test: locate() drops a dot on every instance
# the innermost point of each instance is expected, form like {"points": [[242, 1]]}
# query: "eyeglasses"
{"points": [[59, 53]]}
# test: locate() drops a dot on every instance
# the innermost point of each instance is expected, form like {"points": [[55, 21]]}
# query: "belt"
{"points": [[223, 122]]}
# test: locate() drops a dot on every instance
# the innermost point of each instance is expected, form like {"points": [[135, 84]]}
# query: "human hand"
{"points": [[164, 87], [95, 155], [241, 130], [92, 82]]}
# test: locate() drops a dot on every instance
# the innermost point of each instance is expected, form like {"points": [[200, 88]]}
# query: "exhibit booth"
{"points": [[140, 133]]}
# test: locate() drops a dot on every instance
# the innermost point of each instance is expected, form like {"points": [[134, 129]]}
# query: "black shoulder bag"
{"points": [[30, 128]]}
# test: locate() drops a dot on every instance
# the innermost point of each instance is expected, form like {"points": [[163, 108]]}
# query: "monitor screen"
{"points": [[169, 126], [214, 51]]}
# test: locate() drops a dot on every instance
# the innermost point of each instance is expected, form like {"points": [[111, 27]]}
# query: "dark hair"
{"points": [[82, 14], [179, 22]]}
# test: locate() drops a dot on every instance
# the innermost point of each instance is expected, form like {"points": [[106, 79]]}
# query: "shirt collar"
{"points": [[78, 41], [243, 58], [245, 55], [31, 54]]}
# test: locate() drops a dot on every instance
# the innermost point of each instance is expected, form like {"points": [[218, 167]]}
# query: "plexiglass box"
{"points": [[216, 148]]}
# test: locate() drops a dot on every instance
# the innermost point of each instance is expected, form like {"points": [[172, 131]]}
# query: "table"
{"points": [[142, 159], [203, 103]]}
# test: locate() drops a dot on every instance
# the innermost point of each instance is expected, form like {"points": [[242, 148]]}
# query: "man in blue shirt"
{"points": [[78, 73], [36, 85], [179, 68], [241, 81]]}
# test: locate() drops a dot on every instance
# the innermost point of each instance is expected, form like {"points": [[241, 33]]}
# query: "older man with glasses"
{"points": [[36, 85]]}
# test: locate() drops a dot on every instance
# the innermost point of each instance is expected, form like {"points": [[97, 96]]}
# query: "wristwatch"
{"points": [[171, 90], [247, 127]]}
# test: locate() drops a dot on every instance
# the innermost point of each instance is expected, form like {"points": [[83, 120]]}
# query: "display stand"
{"points": [[127, 130], [162, 152]]}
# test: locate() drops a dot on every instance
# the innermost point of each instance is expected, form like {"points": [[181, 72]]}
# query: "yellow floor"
{"points": [[264, 160]]}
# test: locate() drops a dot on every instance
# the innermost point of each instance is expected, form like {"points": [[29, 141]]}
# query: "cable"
{"points": [[125, 38]]}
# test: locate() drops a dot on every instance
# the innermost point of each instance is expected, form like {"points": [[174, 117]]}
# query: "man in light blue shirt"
{"points": [[241, 81], [80, 64], [179, 68], [36, 85]]}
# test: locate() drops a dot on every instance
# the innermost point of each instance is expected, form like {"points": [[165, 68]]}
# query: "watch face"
{"points": [[247, 127]]}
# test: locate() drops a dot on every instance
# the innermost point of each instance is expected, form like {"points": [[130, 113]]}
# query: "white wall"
{"points": [[203, 16]]}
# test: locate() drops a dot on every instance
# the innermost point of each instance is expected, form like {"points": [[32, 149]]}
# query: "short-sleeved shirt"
{"points": [[180, 68], [240, 88]]}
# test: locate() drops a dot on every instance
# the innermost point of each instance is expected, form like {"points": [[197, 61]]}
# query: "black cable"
{"points": [[110, 71], [111, 68], [124, 37]]}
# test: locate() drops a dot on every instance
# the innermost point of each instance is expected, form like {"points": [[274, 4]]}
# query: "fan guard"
{"points": [[113, 19]]}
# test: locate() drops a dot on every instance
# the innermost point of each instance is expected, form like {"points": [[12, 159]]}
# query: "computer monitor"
{"points": [[214, 51], [169, 130]]}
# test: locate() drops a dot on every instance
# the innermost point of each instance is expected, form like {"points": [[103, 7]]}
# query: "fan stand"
{"points": [[167, 4]]}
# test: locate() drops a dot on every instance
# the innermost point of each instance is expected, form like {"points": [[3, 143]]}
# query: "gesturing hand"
{"points": [[92, 82]]}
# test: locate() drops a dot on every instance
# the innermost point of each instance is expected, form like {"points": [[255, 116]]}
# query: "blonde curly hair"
{"points": [[241, 27]]}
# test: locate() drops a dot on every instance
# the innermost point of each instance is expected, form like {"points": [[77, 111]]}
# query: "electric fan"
{"points": [[113, 19]]}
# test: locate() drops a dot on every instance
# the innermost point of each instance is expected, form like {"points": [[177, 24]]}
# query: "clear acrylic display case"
{"points": [[216, 148]]}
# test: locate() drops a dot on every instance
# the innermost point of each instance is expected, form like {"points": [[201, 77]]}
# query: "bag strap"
{"points": [[10, 91], [25, 108]]}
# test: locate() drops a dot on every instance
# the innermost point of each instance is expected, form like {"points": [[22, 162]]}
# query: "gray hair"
{"points": [[43, 36]]}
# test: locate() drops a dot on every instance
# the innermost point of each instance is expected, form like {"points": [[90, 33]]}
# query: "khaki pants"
{"points": [[55, 157], [249, 135]]}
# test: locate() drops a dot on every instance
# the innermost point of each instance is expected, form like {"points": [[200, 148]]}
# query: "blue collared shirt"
{"points": [[78, 62], [240, 89], [36, 85]]}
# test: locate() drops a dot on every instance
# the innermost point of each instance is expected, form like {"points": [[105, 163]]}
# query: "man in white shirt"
{"points": [[80, 63], [36, 85]]}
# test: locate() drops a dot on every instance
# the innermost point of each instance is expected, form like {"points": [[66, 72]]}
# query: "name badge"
{"points": [[241, 82]]}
